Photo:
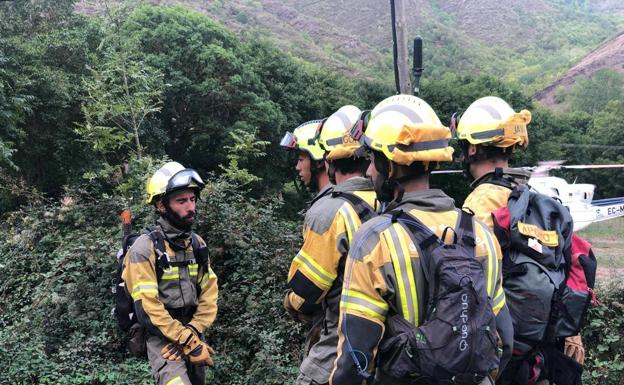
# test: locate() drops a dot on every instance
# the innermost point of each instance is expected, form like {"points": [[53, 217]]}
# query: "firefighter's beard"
{"points": [[184, 223]]}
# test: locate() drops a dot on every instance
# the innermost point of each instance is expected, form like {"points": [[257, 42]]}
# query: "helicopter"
{"points": [[577, 197]]}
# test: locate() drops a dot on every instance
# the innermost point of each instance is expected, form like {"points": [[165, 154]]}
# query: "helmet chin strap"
{"points": [[316, 167], [389, 191], [331, 172]]}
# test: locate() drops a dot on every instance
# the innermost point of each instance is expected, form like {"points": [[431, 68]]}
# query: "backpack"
{"points": [[124, 304], [457, 342], [548, 271]]}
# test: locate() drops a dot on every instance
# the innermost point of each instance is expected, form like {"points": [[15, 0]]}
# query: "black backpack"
{"points": [[535, 233], [547, 285], [457, 342], [124, 304]]}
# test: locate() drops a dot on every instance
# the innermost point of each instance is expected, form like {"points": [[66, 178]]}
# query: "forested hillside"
{"points": [[92, 103], [532, 42], [608, 56]]}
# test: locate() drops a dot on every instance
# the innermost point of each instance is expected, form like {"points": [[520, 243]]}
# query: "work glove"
{"points": [[198, 352], [195, 351], [574, 348], [295, 314], [172, 352]]}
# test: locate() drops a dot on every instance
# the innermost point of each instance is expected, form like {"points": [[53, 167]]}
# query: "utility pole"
{"points": [[417, 70], [401, 66]]}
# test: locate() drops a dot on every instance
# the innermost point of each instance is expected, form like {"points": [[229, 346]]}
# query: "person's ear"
{"points": [[391, 170], [160, 206]]}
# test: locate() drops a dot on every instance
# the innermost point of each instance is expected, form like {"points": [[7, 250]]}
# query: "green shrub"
{"points": [[604, 339], [58, 264]]}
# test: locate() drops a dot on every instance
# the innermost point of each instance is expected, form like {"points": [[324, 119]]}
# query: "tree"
{"points": [[593, 94], [27, 17], [14, 106], [40, 79], [123, 93]]}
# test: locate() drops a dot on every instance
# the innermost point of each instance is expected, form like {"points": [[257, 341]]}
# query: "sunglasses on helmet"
{"points": [[360, 125], [184, 178], [289, 141]]}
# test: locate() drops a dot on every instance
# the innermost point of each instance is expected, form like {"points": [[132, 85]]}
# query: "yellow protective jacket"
{"points": [[491, 192], [183, 295], [315, 275], [384, 263]]}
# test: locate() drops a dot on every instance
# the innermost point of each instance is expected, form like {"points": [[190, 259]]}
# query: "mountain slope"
{"points": [[608, 55], [532, 41]]}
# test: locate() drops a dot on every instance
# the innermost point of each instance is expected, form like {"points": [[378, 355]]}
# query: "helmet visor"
{"points": [[357, 130], [183, 179], [289, 141]]}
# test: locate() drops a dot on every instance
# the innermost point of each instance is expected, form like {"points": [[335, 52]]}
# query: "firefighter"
{"points": [[310, 165], [315, 275], [489, 132], [406, 141], [168, 275]]}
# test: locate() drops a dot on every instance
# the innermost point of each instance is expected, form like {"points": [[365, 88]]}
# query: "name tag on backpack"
{"points": [[535, 245], [546, 237]]}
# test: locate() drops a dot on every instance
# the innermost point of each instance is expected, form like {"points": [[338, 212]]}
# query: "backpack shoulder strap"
{"points": [[321, 195], [162, 258], [421, 235], [200, 252], [195, 242], [465, 229], [158, 239], [362, 209]]}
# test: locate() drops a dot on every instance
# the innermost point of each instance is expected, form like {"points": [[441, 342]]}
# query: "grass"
{"points": [[607, 239]]}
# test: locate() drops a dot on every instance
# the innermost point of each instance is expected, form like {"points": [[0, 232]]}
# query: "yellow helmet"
{"points": [[171, 177], [491, 121], [335, 136], [406, 129], [305, 137]]}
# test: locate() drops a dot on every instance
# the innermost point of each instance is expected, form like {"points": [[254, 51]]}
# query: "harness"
{"points": [[163, 260]]}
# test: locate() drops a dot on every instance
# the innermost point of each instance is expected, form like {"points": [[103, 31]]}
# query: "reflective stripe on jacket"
{"points": [[189, 290], [384, 265], [314, 274]]}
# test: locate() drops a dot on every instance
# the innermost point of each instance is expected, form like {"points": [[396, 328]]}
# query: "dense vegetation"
{"points": [[90, 106], [531, 42]]}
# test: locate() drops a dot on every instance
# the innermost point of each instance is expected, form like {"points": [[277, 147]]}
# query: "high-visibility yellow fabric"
{"points": [[323, 247], [384, 265], [176, 381], [486, 198], [491, 121], [546, 237], [406, 130], [314, 274], [179, 288], [489, 195]]}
